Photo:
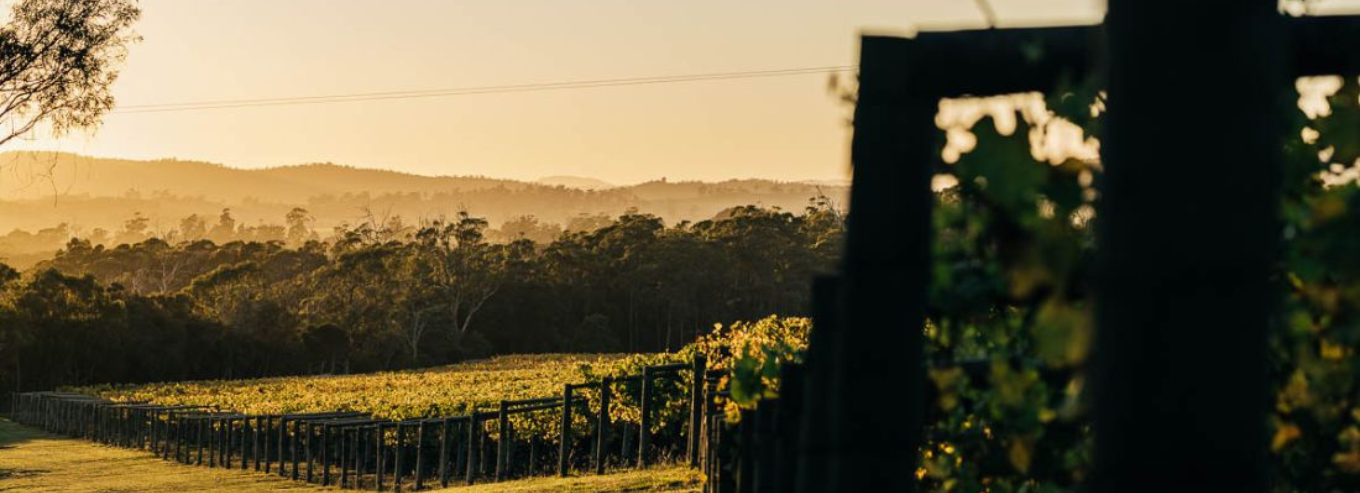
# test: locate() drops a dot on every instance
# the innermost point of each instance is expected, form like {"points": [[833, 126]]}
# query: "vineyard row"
{"points": [[356, 450]]}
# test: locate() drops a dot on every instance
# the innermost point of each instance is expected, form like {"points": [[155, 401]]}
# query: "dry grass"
{"points": [[32, 462]]}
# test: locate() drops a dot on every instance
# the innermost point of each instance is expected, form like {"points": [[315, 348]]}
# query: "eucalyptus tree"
{"points": [[58, 59]]}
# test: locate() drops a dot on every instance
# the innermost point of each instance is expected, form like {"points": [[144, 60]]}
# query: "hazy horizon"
{"points": [[39, 214], [784, 128], [6, 188]]}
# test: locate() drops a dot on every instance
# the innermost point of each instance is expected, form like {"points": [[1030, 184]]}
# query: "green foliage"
{"points": [[752, 354], [669, 393], [440, 391], [1009, 317], [1316, 440], [749, 355]]}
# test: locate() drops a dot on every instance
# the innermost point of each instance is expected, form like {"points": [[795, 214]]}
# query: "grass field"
{"points": [[445, 390], [33, 462]]}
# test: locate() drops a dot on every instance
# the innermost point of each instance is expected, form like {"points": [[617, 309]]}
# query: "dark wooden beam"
{"points": [[1325, 45], [1001, 61], [1187, 234]]}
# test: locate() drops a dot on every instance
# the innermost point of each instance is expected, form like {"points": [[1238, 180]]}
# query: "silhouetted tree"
{"points": [[57, 61]]}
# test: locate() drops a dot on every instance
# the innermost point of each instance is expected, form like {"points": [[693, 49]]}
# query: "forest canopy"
{"points": [[385, 295]]}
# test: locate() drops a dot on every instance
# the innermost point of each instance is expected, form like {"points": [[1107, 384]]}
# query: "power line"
{"points": [[465, 91]]}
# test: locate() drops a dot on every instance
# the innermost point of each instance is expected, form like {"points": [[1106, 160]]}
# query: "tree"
{"points": [[57, 61], [588, 222], [193, 227], [463, 270], [134, 229], [299, 226], [530, 228], [225, 229], [327, 343]]}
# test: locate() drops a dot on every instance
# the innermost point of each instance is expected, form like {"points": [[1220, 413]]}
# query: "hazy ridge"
{"points": [[41, 190]]}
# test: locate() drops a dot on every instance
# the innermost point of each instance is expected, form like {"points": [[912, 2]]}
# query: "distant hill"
{"points": [[100, 177], [40, 191], [578, 182]]}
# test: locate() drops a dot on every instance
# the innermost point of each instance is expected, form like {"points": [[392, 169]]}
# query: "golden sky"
{"points": [[784, 128]]}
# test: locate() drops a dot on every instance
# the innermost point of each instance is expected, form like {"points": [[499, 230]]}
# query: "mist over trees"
{"points": [[384, 294], [112, 201]]}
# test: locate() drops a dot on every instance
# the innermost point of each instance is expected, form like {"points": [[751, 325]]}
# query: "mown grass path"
{"points": [[32, 461]]}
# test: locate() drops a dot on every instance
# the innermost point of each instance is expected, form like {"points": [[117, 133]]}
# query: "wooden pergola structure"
{"points": [[1178, 370]]}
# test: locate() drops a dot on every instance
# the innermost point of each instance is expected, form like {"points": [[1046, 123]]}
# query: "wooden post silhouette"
{"points": [[887, 253], [602, 426], [503, 442], [644, 417], [473, 446], [1185, 298], [380, 457], [398, 464], [814, 439], [419, 469], [893, 155], [564, 447], [698, 368], [445, 444]]}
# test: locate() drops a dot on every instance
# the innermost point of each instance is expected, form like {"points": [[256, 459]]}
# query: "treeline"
{"points": [[22, 249], [113, 201], [387, 295]]}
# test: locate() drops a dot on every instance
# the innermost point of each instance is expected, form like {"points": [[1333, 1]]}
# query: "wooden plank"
{"points": [[1324, 45]]}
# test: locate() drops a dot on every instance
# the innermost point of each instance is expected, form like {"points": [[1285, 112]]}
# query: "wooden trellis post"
{"points": [[644, 417], [309, 447], [380, 456], [201, 439], [400, 450], [502, 444], [602, 426], [1185, 296], [473, 446], [698, 368], [420, 456], [341, 456], [255, 447], [1183, 301], [564, 445], [887, 252]]}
